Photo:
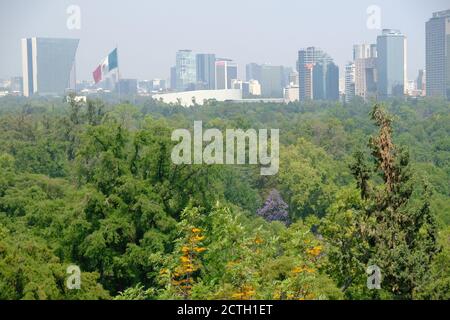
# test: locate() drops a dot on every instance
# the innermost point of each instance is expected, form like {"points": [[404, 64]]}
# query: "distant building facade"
{"points": [[186, 70], [191, 98], [318, 75], [391, 64], [365, 61], [291, 93], [253, 71], [250, 89], [364, 51], [226, 70], [48, 65], [206, 71], [350, 78], [313, 83], [272, 79], [438, 55], [254, 88], [332, 82]]}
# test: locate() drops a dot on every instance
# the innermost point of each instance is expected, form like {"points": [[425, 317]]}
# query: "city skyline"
{"points": [[276, 44]]}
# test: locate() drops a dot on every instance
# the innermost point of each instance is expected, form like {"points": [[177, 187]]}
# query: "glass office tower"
{"points": [[48, 65], [206, 71], [391, 63], [438, 55], [186, 70]]}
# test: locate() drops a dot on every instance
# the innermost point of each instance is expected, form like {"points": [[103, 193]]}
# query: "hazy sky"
{"points": [[149, 32]]}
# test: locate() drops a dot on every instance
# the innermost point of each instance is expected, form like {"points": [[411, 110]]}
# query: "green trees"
{"points": [[93, 185], [225, 255], [30, 270], [389, 224], [308, 179]]}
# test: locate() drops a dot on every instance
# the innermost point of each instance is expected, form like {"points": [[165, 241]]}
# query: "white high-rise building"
{"points": [[48, 65], [349, 81]]}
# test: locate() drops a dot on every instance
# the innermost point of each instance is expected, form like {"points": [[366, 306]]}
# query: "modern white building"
{"points": [[254, 88], [249, 89], [291, 93], [191, 98], [350, 77]]}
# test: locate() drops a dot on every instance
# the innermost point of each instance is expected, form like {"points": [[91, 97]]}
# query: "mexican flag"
{"points": [[109, 64]]}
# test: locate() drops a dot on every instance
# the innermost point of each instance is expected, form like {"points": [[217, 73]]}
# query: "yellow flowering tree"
{"points": [[186, 261], [300, 267]]}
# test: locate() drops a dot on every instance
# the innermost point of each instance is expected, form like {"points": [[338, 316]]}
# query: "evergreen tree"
{"points": [[392, 221]]}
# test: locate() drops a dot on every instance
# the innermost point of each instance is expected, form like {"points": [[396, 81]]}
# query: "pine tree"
{"points": [[389, 224], [398, 225]]}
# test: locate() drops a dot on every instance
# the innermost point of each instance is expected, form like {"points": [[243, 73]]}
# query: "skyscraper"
{"points": [[206, 71], [391, 64], [186, 71], [366, 78], [48, 65], [349, 81], [307, 59], [318, 81], [325, 82], [226, 70], [365, 70], [438, 55], [332, 82]]}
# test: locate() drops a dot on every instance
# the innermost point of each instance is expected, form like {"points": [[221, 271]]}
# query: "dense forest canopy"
{"points": [[92, 184]]}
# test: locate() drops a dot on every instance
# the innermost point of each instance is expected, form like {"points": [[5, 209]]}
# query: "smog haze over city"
{"points": [[148, 33]]}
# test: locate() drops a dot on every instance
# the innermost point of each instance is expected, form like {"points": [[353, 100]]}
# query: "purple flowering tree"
{"points": [[275, 209]]}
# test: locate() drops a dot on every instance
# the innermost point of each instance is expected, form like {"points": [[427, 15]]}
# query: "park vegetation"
{"points": [[93, 185]]}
